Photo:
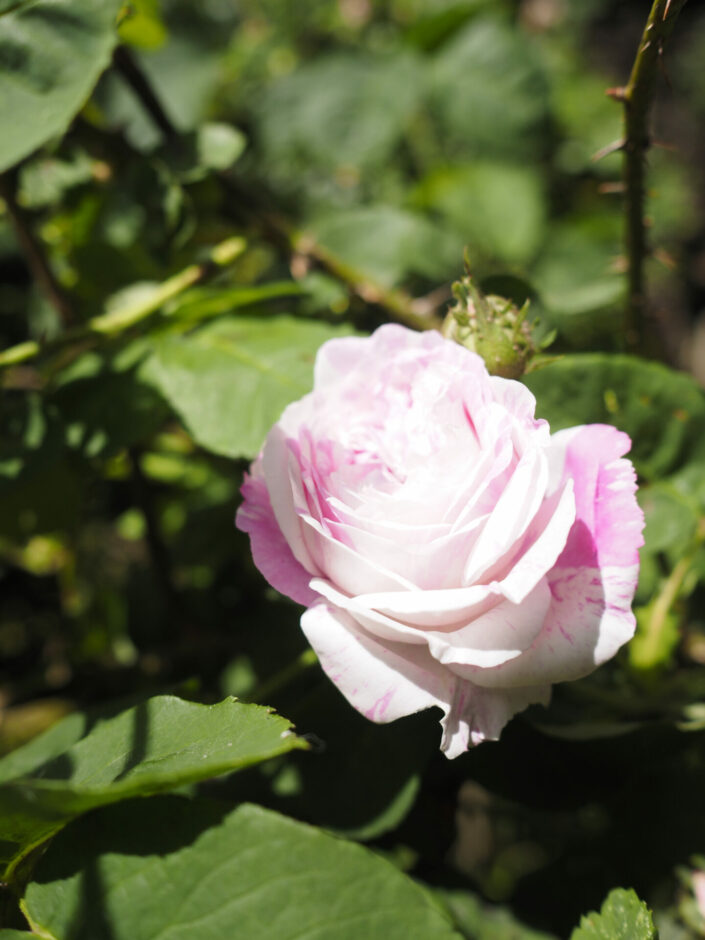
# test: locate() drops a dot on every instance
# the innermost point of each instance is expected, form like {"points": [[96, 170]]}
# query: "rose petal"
{"points": [[270, 550], [478, 715], [382, 681]]}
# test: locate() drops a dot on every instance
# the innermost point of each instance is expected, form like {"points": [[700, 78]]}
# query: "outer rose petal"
{"points": [[387, 681], [270, 550], [480, 715], [594, 580]]}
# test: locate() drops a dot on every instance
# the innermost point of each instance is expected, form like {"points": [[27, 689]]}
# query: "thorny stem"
{"points": [[252, 209], [33, 251], [118, 321], [637, 97]]}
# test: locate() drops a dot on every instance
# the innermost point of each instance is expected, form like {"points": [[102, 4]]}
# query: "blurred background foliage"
{"points": [[342, 154]]}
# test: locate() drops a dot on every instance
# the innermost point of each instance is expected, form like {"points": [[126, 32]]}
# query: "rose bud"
{"points": [[449, 549]]}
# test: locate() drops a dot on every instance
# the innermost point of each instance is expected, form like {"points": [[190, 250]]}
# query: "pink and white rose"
{"points": [[449, 549]]}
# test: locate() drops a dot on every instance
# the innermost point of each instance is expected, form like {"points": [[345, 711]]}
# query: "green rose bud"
{"points": [[493, 327]]}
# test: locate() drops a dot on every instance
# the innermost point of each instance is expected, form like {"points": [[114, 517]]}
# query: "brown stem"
{"points": [[33, 251], [637, 97]]}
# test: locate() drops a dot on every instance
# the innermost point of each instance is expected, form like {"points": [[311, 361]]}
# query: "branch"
{"points": [[132, 73], [637, 97], [33, 251], [118, 321], [253, 209]]}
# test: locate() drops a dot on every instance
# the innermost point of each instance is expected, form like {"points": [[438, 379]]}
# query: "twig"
{"points": [[34, 252], [118, 321], [129, 68], [253, 209], [637, 97]]}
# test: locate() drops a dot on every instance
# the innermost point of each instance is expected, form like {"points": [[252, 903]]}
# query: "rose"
{"points": [[449, 549]]}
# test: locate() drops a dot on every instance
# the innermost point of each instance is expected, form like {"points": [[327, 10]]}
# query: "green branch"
{"points": [[118, 321]]}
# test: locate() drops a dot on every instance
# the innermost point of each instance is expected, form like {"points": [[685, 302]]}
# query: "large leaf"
{"points": [[231, 380], [51, 55], [663, 411], [156, 746], [490, 94], [340, 111], [186, 869], [622, 917], [498, 208]]}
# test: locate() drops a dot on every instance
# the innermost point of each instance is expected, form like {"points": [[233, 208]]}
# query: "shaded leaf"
{"points": [[662, 410], [186, 868], [385, 244], [158, 745], [498, 209], [51, 55], [231, 380]]}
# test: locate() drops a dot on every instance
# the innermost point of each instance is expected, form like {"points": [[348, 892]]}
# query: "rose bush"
{"points": [[449, 549]]}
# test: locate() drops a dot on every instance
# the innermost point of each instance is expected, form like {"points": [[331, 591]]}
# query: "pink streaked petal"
{"points": [[589, 619], [270, 550], [382, 681], [610, 519], [478, 715]]}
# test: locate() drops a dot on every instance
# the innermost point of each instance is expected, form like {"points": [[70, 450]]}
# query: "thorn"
{"points": [[607, 189], [610, 148], [618, 93], [666, 259], [662, 145], [666, 9]]}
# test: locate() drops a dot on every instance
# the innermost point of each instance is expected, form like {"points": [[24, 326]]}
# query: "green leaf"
{"points": [[213, 146], [339, 111], [231, 380], [16, 935], [479, 920], [51, 55], [622, 917], [385, 244], [489, 92], [186, 869], [671, 517], [662, 410], [498, 209], [143, 25], [158, 745]]}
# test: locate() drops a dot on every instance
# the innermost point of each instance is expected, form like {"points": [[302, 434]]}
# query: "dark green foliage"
{"points": [[240, 184]]}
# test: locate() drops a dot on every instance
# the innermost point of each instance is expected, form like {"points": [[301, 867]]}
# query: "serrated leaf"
{"points": [[188, 869], [231, 380], [622, 917], [663, 411], [161, 744], [51, 55]]}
